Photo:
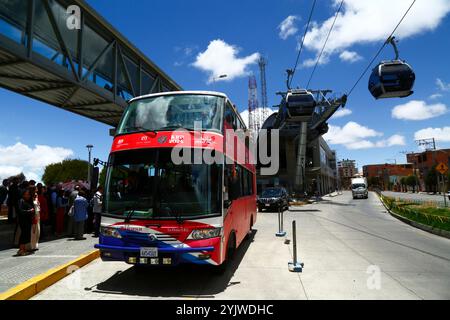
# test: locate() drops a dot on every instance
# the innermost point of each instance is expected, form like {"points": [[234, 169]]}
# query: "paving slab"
{"points": [[346, 245]]}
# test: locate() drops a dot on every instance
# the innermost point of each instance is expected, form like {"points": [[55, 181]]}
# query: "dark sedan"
{"points": [[273, 199]]}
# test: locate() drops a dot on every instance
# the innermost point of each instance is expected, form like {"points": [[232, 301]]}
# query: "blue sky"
{"points": [[177, 36]]}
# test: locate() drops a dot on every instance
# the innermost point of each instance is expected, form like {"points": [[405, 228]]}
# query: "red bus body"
{"points": [[128, 240]]}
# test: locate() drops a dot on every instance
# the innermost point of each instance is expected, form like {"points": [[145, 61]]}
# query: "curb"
{"points": [[437, 232], [33, 286]]}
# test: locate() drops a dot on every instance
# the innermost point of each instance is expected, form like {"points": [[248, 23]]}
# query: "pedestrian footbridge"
{"points": [[65, 54]]}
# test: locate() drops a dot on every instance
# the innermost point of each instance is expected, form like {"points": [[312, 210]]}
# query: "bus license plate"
{"points": [[267, 205], [149, 252]]}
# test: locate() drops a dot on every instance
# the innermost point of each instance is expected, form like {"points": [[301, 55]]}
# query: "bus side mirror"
{"points": [[112, 132], [226, 204]]}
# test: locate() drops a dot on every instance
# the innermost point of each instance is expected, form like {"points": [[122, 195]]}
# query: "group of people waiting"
{"points": [[32, 207]]}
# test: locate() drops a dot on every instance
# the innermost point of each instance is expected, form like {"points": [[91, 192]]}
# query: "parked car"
{"points": [[273, 199]]}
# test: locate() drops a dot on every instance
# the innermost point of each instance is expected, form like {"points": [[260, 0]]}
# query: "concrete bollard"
{"points": [[295, 266]]}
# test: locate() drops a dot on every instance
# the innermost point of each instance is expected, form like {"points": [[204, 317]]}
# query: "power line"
{"points": [[381, 49], [303, 41], [324, 45]]}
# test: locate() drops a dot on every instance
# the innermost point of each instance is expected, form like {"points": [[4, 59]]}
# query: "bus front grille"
{"points": [[146, 238]]}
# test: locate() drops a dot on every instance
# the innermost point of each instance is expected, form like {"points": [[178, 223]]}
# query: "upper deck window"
{"points": [[171, 112]]}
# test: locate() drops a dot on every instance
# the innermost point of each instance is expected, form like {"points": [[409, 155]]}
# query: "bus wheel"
{"points": [[250, 231], [231, 248]]}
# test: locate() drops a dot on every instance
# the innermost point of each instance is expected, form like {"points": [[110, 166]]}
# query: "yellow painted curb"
{"points": [[31, 287]]}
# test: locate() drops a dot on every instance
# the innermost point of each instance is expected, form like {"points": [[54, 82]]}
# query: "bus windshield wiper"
{"points": [[140, 130], [175, 127], [131, 211], [178, 217]]}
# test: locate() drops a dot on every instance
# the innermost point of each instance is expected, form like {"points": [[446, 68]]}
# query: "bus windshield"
{"points": [[170, 112], [146, 184]]}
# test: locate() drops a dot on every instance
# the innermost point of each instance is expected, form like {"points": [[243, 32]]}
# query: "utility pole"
{"points": [[222, 76], [262, 63], [89, 147], [254, 121]]}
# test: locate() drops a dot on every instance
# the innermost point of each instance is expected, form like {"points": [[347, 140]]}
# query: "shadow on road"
{"points": [[333, 203], [305, 210], [181, 281]]}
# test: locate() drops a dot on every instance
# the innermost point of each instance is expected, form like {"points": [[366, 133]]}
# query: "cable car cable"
{"points": [[325, 44], [381, 49], [301, 45]]}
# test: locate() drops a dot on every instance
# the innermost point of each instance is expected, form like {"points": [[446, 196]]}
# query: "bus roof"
{"points": [[209, 93]]}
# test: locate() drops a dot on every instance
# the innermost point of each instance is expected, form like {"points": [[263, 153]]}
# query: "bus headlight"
{"points": [[110, 232], [199, 234]]}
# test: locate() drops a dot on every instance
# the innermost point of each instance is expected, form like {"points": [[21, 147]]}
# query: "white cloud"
{"points": [[372, 21], [396, 140], [324, 59], [342, 113], [354, 136], [350, 133], [288, 27], [244, 114], [31, 161], [350, 56], [418, 110], [443, 86], [435, 96], [221, 58], [440, 134]]}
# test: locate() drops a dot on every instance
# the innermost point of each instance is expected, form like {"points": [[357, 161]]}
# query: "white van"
{"points": [[359, 188]]}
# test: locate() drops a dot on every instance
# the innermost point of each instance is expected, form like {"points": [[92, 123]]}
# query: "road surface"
{"points": [[352, 249]]}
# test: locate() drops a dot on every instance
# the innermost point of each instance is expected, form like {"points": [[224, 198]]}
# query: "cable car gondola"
{"points": [[300, 103], [392, 79]]}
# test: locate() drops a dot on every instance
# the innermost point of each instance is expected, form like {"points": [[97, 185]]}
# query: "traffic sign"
{"points": [[442, 168]]}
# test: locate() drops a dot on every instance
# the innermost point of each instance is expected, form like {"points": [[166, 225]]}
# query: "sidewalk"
{"points": [[15, 270]]}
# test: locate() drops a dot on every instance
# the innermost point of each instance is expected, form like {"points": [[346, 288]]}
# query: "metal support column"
{"points": [[301, 157]]}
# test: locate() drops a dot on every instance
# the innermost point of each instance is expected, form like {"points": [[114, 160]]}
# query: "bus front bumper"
{"points": [[166, 255]]}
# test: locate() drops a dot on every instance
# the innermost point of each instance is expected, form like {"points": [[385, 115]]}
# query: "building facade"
{"points": [[321, 174], [423, 164], [347, 170], [387, 176]]}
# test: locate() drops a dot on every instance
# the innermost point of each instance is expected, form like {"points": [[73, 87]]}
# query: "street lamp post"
{"points": [[222, 76], [89, 147]]}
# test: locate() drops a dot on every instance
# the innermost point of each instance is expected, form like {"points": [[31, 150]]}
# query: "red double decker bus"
{"points": [[158, 210]]}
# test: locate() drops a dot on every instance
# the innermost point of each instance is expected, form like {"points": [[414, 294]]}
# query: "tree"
{"points": [[431, 179], [67, 170], [102, 177], [374, 182], [412, 181], [403, 184]]}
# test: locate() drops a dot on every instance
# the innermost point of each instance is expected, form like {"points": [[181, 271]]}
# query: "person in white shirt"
{"points": [[97, 210]]}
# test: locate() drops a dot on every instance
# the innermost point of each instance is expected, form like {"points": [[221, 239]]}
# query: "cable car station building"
{"points": [[307, 164], [321, 170]]}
